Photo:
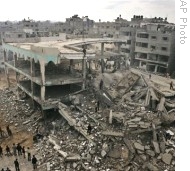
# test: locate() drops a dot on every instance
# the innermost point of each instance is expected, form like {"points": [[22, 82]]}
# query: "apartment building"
{"points": [[155, 47]]}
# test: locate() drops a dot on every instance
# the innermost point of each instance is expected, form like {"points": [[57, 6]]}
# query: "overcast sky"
{"points": [[106, 10]]}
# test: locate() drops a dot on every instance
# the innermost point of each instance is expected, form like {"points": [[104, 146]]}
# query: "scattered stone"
{"points": [[103, 153], [166, 158], [156, 147], [139, 146], [150, 153]]}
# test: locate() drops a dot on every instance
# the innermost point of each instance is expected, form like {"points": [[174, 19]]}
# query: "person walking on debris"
{"points": [[149, 76], [9, 131], [34, 162], [16, 165], [8, 169], [89, 129], [1, 132], [97, 108], [171, 85], [23, 151], [29, 154], [84, 51], [19, 149], [1, 151], [101, 84], [14, 149], [8, 150]]}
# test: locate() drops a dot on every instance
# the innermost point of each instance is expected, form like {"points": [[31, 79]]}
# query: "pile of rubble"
{"points": [[133, 130]]}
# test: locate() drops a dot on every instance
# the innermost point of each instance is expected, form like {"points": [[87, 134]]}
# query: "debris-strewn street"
{"points": [[133, 126]]}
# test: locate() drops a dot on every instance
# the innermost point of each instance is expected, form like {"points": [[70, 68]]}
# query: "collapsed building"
{"points": [[134, 128]]}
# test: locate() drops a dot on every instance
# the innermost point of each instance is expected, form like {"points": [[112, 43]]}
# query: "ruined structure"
{"points": [[49, 71]]}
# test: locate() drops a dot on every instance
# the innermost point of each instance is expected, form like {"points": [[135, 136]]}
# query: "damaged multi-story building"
{"points": [[50, 71]]}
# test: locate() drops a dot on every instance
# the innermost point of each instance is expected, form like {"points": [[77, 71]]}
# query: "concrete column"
{"points": [[140, 62], [32, 67], [102, 54], [119, 48], [32, 73], [15, 59], [42, 70], [156, 67], [17, 80], [71, 66], [5, 56], [89, 66], [7, 76], [84, 73], [6, 69], [110, 117]]}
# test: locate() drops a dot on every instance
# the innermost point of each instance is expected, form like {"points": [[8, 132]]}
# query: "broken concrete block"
{"points": [[166, 158], [162, 146], [133, 126], [26, 122], [103, 153], [146, 147], [73, 158], [156, 147], [150, 153], [150, 167], [138, 146], [89, 157], [142, 157], [110, 117], [74, 165]]}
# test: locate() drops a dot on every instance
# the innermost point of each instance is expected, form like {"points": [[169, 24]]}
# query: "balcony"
{"points": [[152, 61], [142, 49], [145, 40], [127, 46]]}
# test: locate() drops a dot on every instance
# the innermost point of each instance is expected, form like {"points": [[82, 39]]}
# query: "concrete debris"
{"points": [[156, 147], [111, 133], [166, 158], [133, 128], [138, 146]]}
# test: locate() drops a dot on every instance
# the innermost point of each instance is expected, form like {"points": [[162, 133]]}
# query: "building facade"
{"points": [[155, 48]]}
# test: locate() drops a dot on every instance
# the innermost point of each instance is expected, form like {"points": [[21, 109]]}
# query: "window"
{"points": [[128, 42], [142, 35], [152, 48], [153, 37], [164, 48], [165, 38], [144, 45], [107, 27]]}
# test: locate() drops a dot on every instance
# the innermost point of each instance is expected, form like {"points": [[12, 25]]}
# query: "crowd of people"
{"points": [[16, 150]]}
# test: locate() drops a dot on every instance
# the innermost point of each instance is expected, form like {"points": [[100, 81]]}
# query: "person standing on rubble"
{"points": [[1, 151], [19, 149], [8, 150], [101, 84], [8, 169], [171, 85], [29, 154], [14, 149], [89, 129], [1, 132], [16, 165], [34, 162], [9, 132], [23, 151], [149, 76], [97, 107]]}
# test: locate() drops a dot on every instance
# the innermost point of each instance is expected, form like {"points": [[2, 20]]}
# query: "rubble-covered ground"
{"points": [[134, 130]]}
